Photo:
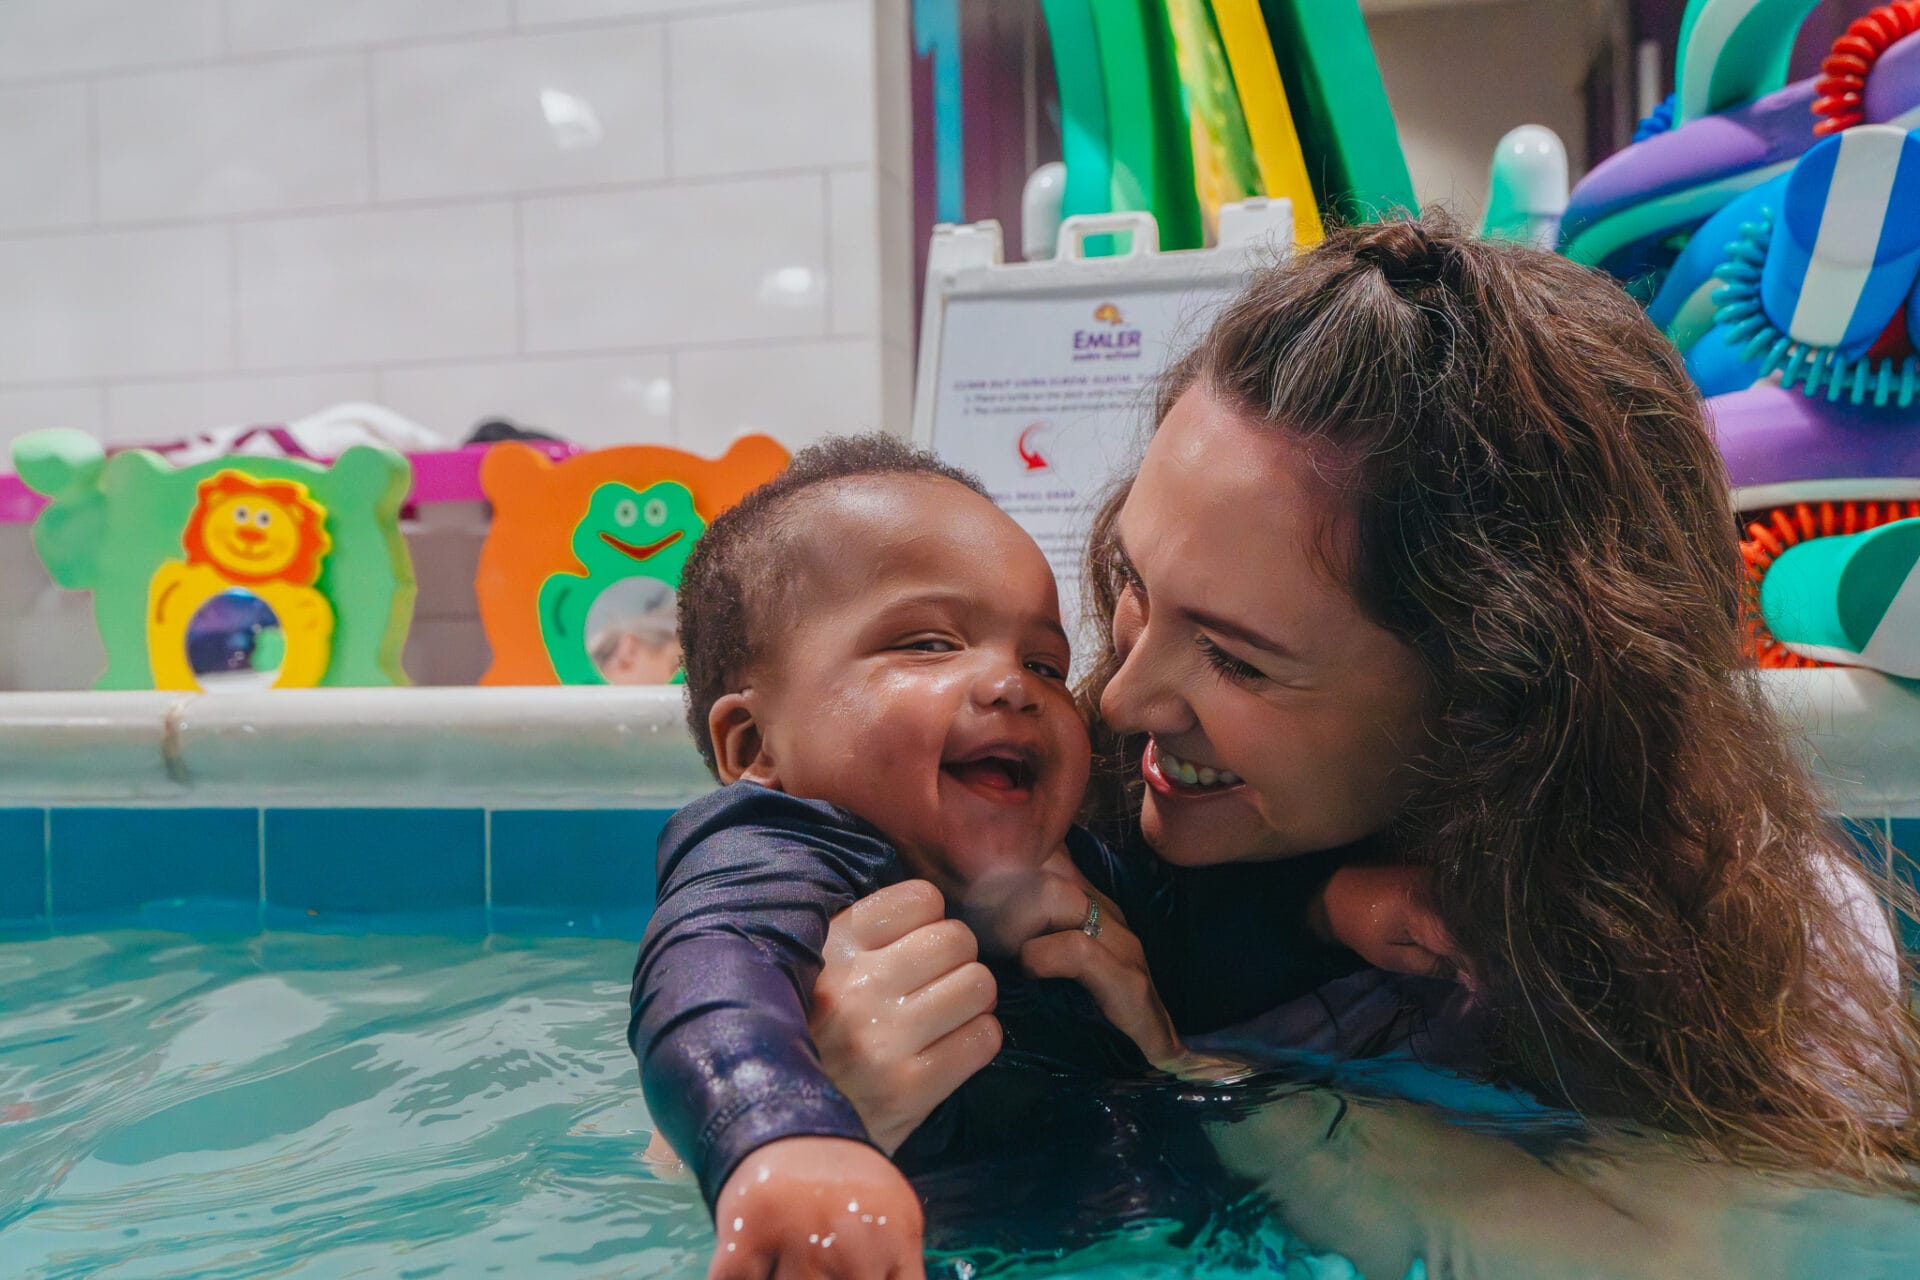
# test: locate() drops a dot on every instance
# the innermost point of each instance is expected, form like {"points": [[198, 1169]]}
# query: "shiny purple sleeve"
{"points": [[748, 880]]}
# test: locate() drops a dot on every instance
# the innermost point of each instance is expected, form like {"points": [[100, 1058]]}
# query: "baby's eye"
{"points": [[931, 644], [1051, 670]]}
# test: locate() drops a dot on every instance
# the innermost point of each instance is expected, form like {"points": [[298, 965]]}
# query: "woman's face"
{"points": [[1281, 719]]}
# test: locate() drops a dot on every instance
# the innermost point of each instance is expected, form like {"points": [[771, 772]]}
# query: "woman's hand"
{"points": [[1381, 913], [902, 1010], [817, 1207], [1112, 965]]}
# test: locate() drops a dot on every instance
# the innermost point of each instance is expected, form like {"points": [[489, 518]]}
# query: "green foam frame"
{"points": [[112, 522], [1340, 107]]}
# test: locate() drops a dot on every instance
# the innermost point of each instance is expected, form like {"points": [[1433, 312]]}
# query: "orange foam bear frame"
{"points": [[536, 503]]}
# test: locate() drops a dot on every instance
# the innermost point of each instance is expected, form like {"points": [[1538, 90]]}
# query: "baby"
{"points": [[877, 671]]}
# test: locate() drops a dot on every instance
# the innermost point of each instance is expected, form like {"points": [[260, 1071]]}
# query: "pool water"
{"points": [[316, 1105]]}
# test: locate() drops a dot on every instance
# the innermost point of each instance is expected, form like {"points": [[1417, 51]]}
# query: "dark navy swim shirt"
{"points": [[748, 880]]}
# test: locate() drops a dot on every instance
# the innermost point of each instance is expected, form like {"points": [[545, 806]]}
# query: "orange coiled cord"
{"points": [[1842, 85], [1772, 532]]}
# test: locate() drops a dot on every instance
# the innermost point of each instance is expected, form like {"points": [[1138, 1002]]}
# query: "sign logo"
{"points": [[1030, 452], [1113, 342]]}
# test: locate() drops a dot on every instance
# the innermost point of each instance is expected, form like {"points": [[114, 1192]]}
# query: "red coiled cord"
{"points": [[1842, 85], [1772, 532]]}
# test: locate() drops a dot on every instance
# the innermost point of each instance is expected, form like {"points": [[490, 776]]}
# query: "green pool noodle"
{"points": [[1854, 595], [1149, 143], [1340, 108], [110, 524], [1731, 52], [1083, 109]]}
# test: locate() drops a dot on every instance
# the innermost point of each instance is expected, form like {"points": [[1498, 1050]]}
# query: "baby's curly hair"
{"points": [[739, 584]]}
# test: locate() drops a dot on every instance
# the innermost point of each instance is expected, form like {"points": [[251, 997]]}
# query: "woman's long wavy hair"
{"points": [[1618, 834]]}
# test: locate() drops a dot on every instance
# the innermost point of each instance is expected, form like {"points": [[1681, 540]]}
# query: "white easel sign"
{"points": [[1040, 377]]}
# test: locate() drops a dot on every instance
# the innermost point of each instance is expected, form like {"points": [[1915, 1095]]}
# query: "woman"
{"points": [[1430, 562]]}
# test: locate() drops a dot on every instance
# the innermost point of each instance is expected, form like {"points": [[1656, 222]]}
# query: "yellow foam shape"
{"points": [[1263, 100]]}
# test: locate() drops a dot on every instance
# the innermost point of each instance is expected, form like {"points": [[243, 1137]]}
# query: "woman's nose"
{"points": [[1144, 696]]}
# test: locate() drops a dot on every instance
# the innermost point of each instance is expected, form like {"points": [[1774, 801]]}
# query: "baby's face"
{"points": [[924, 686]]}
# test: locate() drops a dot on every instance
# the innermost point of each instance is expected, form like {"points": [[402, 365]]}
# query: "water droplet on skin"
{"points": [[853, 1206], [740, 1222]]}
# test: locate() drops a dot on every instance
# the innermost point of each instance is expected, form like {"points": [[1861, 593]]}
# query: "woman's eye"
{"points": [[1226, 664]]}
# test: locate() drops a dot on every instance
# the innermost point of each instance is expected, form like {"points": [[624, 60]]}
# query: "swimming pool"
{"points": [[292, 986]]}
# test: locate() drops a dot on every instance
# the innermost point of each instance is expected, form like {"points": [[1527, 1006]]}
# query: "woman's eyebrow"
{"points": [[1244, 635], [1213, 622]]}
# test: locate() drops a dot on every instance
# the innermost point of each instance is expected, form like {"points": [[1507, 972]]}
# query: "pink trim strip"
{"points": [[449, 476]]}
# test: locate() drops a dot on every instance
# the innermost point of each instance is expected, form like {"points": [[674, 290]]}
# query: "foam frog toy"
{"points": [[545, 564], [626, 533], [319, 544]]}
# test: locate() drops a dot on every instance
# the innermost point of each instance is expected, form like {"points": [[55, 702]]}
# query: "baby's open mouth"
{"points": [[998, 775]]}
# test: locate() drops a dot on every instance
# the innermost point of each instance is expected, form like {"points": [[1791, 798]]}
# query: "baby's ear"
{"points": [[739, 749]]}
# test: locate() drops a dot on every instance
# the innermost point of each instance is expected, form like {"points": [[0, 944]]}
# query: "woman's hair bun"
{"points": [[1403, 250]]}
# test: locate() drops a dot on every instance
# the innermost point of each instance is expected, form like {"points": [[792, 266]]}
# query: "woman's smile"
{"points": [[1170, 775]]}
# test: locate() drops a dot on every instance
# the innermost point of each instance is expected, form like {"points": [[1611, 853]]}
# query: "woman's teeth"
{"points": [[1190, 775]]}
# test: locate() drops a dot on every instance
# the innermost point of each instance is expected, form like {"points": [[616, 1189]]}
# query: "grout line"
{"points": [[519, 278], [261, 815], [370, 100], [46, 861], [93, 154], [233, 295], [459, 201], [666, 97], [110, 382], [826, 252], [253, 57], [487, 848]]}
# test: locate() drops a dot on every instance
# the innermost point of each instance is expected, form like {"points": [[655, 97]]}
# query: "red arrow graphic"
{"points": [[1028, 454]]}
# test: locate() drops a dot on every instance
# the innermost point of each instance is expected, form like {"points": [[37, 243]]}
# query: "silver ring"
{"points": [[1091, 925]]}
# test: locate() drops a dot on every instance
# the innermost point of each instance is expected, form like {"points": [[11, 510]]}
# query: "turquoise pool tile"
{"points": [[376, 861], [582, 861], [23, 865], [118, 859]]}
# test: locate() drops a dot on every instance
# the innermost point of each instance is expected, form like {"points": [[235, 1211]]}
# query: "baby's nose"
{"points": [[1010, 686]]}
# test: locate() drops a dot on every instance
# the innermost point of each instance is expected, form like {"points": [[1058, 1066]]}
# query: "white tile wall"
{"points": [[595, 400], [43, 131], [148, 412], [724, 260], [60, 37], [389, 285], [255, 25], [527, 112], [286, 134], [107, 303], [831, 387], [618, 220], [774, 89]]}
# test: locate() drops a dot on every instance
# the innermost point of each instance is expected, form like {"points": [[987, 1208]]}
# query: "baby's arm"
{"points": [[748, 879]]}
